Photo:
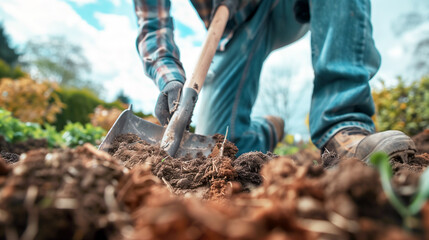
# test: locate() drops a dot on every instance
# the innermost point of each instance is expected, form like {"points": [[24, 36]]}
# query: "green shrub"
{"points": [[79, 104], [288, 146], [404, 107], [75, 134], [8, 72], [13, 130]]}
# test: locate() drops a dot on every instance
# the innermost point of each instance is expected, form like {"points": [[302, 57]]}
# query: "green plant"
{"points": [[7, 71], [11, 128], [75, 134], [79, 104], [404, 107], [381, 161], [53, 137], [289, 146]]}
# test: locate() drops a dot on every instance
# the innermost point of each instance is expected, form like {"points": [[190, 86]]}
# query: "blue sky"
{"points": [[107, 29], [86, 11]]}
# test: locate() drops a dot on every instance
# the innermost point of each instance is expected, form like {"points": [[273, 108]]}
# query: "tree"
{"points": [[58, 60], [123, 98], [274, 94], [416, 23], [8, 54]]}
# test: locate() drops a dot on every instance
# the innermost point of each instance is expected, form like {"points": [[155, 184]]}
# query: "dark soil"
{"points": [[62, 194], [139, 192], [204, 176], [22, 147], [9, 158], [422, 142]]}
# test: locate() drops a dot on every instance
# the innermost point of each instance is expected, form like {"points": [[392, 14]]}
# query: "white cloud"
{"points": [[111, 50], [396, 52]]}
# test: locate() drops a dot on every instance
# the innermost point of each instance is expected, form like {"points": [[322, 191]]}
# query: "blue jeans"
{"points": [[344, 59]]}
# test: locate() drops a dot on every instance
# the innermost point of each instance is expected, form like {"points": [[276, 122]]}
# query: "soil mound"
{"points": [[62, 194], [22, 147], [422, 142], [290, 197], [139, 192], [206, 177]]}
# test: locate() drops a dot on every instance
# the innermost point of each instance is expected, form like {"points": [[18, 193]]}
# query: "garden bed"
{"points": [[136, 191]]}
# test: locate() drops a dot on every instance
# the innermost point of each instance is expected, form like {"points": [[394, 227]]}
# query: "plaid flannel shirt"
{"points": [[155, 42]]}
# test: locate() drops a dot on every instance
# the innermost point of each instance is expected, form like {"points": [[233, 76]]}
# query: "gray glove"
{"points": [[232, 6], [168, 101]]}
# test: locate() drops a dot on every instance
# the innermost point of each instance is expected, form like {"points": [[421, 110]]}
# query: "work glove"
{"points": [[168, 101], [232, 6]]}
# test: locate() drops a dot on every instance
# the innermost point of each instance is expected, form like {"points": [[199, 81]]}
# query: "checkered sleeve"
{"points": [[155, 42]]}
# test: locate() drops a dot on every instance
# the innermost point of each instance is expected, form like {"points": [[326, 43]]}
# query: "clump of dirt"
{"points": [[207, 177], [22, 147], [422, 142], [249, 165], [10, 158], [4, 168], [229, 149], [132, 151], [123, 139], [163, 215], [62, 194], [353, 191], [329, 159]]}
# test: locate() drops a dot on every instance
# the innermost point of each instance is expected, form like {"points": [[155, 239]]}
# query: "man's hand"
{"points": [[232, 6], [168, 101]]}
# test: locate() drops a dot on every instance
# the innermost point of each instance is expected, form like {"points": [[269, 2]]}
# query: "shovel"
{"points": [[174, 138]]}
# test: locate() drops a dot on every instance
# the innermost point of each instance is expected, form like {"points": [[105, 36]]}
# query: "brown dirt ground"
{"points": [[139, 192], [22, 147], [62, 194]]}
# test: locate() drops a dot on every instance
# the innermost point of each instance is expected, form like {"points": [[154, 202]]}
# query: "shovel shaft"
{"points": [[182, 116], [215, 31]]}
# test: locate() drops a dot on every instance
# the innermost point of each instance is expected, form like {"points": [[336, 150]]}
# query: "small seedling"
{"points": [[381, 161]]}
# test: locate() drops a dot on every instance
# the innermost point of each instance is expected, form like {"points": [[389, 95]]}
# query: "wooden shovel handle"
{"points": [[215, 32]]}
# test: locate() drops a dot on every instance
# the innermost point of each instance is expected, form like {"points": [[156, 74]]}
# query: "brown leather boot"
{"points": [[358, 143], [278, 124]]}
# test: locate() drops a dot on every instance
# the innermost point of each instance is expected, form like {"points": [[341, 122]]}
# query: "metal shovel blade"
{"points": [[193, 145]]}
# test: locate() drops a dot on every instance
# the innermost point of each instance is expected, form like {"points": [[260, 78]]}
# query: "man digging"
{"points": [[344, 59]]}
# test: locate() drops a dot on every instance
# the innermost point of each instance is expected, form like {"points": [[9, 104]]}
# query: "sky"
{"points": [[107, 29]]}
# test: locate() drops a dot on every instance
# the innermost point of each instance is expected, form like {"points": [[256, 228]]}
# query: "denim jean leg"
{"points": [[231, 88], [344, 59]]}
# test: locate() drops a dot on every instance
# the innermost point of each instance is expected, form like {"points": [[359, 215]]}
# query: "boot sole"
{"points": [[394, 143]]}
